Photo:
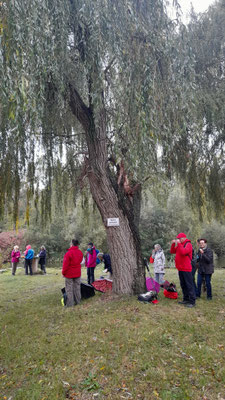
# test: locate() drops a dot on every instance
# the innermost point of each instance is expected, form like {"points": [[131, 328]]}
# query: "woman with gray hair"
{"points": [[159, 263], [42, 259], [15, 258]]}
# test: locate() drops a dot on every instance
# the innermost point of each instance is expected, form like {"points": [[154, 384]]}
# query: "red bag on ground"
{"points": [[170, 295]]}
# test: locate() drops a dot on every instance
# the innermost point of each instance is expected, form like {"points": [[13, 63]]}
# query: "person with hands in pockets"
{"points": [[71, 270]]}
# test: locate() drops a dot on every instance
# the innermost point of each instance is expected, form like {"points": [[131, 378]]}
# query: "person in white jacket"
{"points": [[159, 263]]}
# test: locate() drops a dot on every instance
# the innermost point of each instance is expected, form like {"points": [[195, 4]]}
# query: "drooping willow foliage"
{"points": [[206, 35], [126, 55]]}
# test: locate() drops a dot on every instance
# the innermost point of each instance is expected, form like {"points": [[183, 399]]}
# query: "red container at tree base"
{"points": [[170, 295]]}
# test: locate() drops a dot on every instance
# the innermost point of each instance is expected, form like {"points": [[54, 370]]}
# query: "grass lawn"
{"points": [[108, 347]]}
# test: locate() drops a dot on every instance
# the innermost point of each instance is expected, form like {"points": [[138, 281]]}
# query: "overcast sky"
{"points": [[199, 5]]}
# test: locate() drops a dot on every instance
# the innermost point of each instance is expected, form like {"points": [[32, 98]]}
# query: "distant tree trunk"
{"points": [[112, 202]]}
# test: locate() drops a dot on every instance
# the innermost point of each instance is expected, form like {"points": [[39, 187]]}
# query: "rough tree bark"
{"points": [[112, 202]]}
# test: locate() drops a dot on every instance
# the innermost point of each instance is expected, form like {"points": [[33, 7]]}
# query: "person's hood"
{"points": [[159, 251], [181, 235]]}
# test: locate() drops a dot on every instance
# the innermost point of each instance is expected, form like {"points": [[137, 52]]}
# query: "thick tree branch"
{"points": [[79, 109]]}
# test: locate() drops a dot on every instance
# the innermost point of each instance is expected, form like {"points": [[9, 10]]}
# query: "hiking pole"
{"points": [[146, 264]]}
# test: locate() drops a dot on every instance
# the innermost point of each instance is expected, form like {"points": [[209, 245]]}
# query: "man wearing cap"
{"points": [[182, 247]]}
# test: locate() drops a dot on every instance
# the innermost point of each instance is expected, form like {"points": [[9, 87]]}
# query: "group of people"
{"points": [[187, 263], [71, 269], [28, 255]]}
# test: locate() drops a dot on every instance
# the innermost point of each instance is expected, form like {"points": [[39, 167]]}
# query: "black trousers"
{"points": [[187, 286], [42, 265], [91, 275], [28, 263]]}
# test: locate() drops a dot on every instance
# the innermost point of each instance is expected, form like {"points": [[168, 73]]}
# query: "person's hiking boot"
{"points": [[209, 298], [189, 305], [183, 302]]}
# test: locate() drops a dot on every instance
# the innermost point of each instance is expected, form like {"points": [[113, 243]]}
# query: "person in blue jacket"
{"points": [[29, 255]]}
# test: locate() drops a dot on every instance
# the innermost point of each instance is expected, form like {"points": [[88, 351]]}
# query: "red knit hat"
{"points": [[181, 235]]}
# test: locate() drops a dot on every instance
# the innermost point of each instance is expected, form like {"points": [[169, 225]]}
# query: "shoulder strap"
{"points": [[192, 249]]}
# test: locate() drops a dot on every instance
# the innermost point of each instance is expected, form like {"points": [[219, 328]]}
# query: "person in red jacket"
{"points": [[182, 247], [71, 270]]}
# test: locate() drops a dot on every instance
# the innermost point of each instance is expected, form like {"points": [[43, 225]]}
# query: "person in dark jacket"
{"points": [[71, 270], [107, 263], [205, 268], [182, 247], [42, 259]]}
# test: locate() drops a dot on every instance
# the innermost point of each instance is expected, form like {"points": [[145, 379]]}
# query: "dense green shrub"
{"points": [[215, 234]]}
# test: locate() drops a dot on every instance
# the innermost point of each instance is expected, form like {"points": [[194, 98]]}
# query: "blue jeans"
{"points": [[208, 285], [159, 277]]}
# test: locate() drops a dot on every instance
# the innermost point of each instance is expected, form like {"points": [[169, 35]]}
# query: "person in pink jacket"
{"points": [[15, 258], [90, 262]]}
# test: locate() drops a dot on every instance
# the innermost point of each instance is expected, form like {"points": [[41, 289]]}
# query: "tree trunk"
{"points": [[112, 202], [123, 243]]}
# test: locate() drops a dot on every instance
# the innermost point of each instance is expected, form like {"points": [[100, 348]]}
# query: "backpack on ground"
{"points": [[151, 284], [148, 297], [86, 290], [64, 297], [170, 291]]}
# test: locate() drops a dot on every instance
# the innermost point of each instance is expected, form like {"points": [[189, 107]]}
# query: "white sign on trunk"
{"points": [[113, 222]]}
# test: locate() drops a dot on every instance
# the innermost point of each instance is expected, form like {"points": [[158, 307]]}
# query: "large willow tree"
{"points": [[89, 89]]}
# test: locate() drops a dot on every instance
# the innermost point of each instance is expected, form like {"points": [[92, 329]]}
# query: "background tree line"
{"points": [[160, 221]]}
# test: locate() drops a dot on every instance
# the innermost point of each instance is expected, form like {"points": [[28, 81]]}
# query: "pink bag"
{"points": [[151, 284]]}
